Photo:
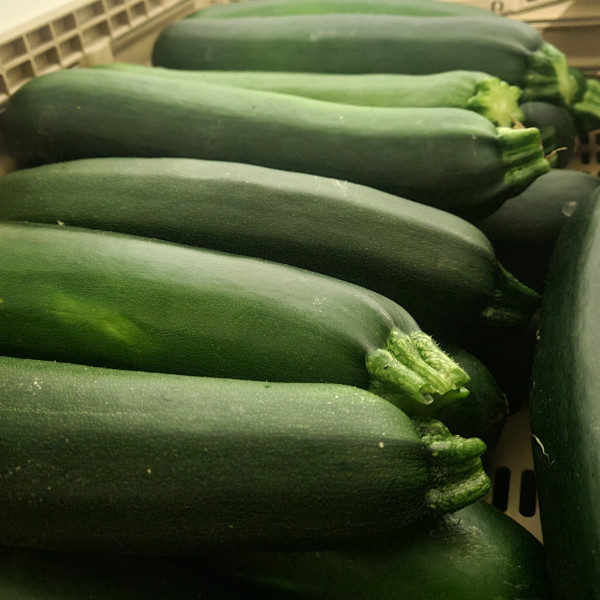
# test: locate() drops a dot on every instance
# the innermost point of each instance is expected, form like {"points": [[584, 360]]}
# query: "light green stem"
{"points": [[497, 101], [459, 478], [413, 370]]}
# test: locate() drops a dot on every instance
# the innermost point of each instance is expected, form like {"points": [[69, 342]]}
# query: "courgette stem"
{"points": [[549, 78], [415, 367], [498, 101], [586, 112], [523, 157], [512, 301], [450, 455]]}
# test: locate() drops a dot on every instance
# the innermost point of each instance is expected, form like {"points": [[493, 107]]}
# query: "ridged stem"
{"points": [[497, 101], [523, 157], [513, 304], [549, 78], [414, 370], [455, 465], [586, 112]]}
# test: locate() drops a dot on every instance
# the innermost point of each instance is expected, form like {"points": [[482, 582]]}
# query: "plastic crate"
{"points": [[71, 33]]}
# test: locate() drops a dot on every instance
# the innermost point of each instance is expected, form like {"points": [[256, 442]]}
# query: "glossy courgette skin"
{"points": [[482, 93], [58, 117], [565, 411], [440, 268], [267, 8], [108, 460], [115, 300], [524, 230], [475, 553], [373, 43]]}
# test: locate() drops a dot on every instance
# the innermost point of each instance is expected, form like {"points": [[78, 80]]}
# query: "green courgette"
{"points": [[71, 114], [482, 93], [267, 8], [440, 268], [524, 230], [115, 300], [373, 43], [27, 574], [107, 460], [565, 411], [474, 554]]}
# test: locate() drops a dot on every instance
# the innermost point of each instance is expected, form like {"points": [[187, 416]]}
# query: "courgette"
{"points": [[474, 554], [524, 230], [267, 8], [107, 460], [27, 574], [370, 43], [482, 93], [114, 300], [556, 122], [564, 408], [71, 114], [440, 268]]}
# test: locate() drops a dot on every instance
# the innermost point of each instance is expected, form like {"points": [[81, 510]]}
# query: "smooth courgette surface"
{"points": [[556, 120], [440, 268], [264, 8], [358, 43], [524, 230], [474, 554], [27, 574], [482, 93], [114, 300], [70, 114], [565, 411], [106, 460]]}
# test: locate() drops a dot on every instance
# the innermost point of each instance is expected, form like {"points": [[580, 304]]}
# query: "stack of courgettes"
{"points": [[263, 308]]}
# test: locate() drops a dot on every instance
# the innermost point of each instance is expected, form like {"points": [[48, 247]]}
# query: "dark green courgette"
{"points": [[102, 460], [267, 8], [71, 114], [474, 554], [369, 43], [524, 230], [115, 300], [440, 268], [27, 574], [482, 93], [565, 411], [554, 121]]}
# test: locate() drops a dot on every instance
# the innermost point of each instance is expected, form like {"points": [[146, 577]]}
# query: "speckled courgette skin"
{"points": [[58, 117], [440, 268], [475, 553], [115, 300], [108, 460], [472, 90], [374, 43]]}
